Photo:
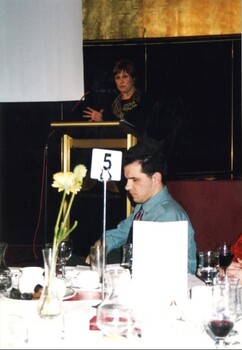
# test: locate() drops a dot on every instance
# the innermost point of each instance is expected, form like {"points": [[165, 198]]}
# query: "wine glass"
{"points": [[208, 266], [5, 273], [65, 249], [222, 315], [5, 281], [225, 257]]}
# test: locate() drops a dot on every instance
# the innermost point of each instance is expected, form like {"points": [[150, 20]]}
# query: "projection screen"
{"points": [[41, 51]]}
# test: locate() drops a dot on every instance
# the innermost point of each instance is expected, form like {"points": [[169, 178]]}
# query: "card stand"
{"points": [[106, 166]]}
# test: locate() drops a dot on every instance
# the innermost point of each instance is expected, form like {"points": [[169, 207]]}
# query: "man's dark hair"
{"points": [[149, 154]]}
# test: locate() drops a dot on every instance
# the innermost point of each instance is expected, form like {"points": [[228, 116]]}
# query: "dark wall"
{"points": [[196, 86], [29, 152]]}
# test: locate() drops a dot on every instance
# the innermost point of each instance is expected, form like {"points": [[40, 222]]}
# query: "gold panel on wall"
{"points": [[124, 19], [112, 19]]}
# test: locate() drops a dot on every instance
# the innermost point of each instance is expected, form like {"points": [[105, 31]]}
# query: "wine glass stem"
{"points": [[63, 270], [209, 284], [224, 272]]}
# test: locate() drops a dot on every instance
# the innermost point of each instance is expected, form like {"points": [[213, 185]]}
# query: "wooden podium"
{"points": [[68, 143]]}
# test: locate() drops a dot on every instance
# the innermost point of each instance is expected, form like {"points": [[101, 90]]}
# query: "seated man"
{"points": [[145, 172]]}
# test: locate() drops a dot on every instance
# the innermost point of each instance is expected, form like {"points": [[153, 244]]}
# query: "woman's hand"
{"points": [[93, 115], [235, 270]]}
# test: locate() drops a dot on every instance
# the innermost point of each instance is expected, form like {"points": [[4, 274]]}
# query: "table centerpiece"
{"points": [[70, 183]]}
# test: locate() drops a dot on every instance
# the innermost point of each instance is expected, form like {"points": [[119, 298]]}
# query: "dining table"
{"points": [[177, 328]]}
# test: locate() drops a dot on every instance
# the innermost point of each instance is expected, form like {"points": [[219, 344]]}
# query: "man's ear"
{"points": [[157, 177]]}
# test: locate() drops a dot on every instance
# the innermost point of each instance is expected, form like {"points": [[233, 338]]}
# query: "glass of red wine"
{"points": [[225, 257], [208, 266], [222, 315]]}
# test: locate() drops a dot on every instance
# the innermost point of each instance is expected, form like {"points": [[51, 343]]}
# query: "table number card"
{"points": [[106, 164], [160, 253]]}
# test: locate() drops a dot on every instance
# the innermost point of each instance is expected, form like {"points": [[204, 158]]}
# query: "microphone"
{"points": [[109, 91], [78, 102]]}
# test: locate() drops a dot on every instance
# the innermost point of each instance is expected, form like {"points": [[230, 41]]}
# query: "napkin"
{"points": [[159, 275]]}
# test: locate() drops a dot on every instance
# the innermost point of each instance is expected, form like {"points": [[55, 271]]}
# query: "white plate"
{"points": [[87, 289]]}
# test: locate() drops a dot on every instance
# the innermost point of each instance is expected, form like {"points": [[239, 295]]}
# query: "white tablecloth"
{"points": [[21, 328]]}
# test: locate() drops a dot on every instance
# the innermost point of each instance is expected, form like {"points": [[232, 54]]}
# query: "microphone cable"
{"points": [[42, 190]]}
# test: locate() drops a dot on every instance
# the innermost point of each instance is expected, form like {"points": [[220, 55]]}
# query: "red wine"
{"points": [[220, 328], [225, 260]]}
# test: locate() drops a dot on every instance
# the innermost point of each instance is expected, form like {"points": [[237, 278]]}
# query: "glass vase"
{"points": [[50, 304]]}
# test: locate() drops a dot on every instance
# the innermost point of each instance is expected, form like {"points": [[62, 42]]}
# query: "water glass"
{"points": [[208, 266], [117, 283], [239, 302], [97, 259], [127, 256], [16, 273]]}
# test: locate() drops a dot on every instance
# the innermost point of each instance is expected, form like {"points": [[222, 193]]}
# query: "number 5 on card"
{"points": [[106, 164]]}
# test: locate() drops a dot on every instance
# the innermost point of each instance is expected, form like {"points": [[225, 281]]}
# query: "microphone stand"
{"points": [[46, 192]]}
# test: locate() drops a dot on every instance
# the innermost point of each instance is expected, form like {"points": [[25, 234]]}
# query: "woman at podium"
{"points": [[131, 106]]}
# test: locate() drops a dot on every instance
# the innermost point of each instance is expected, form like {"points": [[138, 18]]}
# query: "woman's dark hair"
{"points": [[149, 154], [126, 66]]}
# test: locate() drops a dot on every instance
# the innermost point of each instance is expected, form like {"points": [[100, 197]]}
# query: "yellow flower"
{"points": [[70, 183], [80, 172], [63, 181]]}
